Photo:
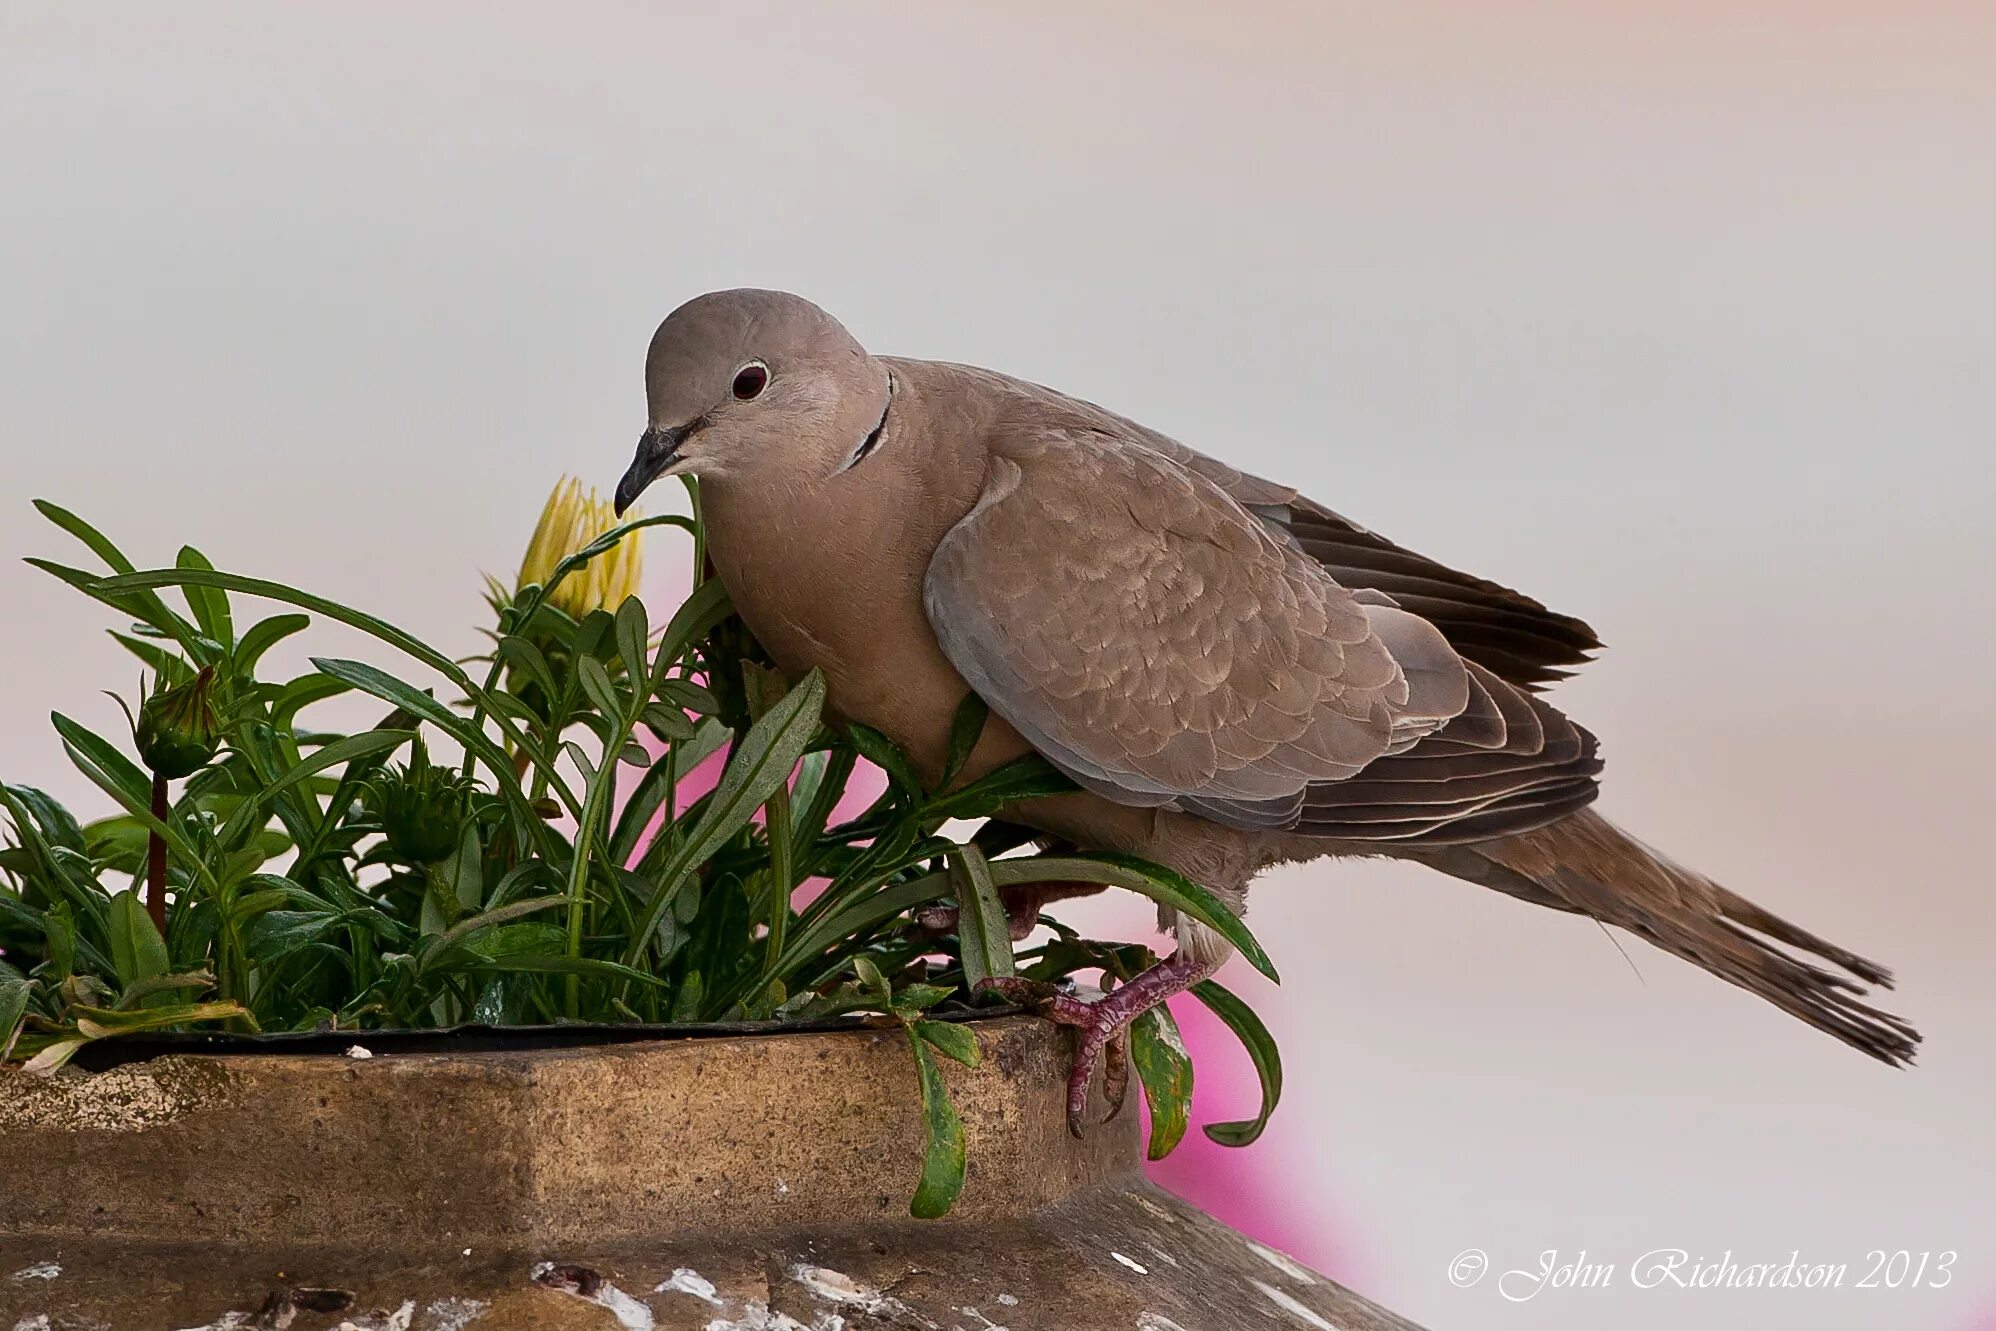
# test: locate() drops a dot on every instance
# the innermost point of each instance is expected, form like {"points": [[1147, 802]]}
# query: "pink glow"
{"points": [[1252, 1188]]}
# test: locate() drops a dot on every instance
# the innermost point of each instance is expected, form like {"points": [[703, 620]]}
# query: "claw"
{"points": [[1116, 1074], [1103, 1025]]}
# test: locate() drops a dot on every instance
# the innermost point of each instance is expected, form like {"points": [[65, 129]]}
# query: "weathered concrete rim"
{"points": [[521, 1148], [472, 1037]]}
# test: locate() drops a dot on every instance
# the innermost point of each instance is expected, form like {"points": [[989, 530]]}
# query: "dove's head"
{"points": [[755, 387]]}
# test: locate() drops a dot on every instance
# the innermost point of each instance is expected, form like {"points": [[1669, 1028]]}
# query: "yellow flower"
{"points": [[570, 521]]}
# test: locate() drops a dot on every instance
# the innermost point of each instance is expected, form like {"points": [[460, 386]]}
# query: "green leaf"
{"points": [[957, 1042], [56, 822], [596, 683], [15, 991], [100, 544], [1160, 884], [298, 694], [964, 730], [370, 679], [983, 930], [665, 772], [913, 998], [1157, 1051], [1024, 778], [688, 695], [667, 721], [137, 950], [464, 876], [868, 910], [583, 763], [367, 744], [165, 662], [209, 604], [141, 994], [633, 632], [465, 929], [59, 931], [879, 750], [145, 605], [134, 784], [52, 1057], [686, 1003], [525, 657], [378, 628], [121, 779], [264, 635], [1261, 1048], [872, 981], [943, 1155], [694, 620], [95, 1023], [764, 760]]}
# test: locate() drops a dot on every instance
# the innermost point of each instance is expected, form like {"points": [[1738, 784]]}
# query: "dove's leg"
{"points": [[1104, 1021]]}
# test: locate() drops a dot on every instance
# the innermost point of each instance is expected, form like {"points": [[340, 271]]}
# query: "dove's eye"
{"points": [[750, 380]]}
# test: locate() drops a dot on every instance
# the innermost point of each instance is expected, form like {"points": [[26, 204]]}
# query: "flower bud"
{"points": [[423, 809], [571, 520], [177, 732]]}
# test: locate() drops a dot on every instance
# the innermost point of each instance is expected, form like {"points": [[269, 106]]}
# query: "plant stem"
{"points": [[156, 859], [602, 792], [782, 875]]}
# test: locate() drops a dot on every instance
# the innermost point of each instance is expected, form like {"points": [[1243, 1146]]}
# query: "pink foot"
{"points": [[1102, 1023]]}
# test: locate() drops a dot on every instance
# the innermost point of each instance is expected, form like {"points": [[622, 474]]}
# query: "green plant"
{"points": [[553, 871]]}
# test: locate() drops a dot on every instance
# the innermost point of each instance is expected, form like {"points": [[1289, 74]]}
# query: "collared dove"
{"points": [[1235, 676]]}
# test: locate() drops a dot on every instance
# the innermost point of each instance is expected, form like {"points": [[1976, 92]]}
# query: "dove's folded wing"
{"points": [[1505, 631], [1158, 643], [1166, 647]]}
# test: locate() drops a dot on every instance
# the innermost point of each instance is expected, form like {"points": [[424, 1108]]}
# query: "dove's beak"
{"points": [[658, 450]]}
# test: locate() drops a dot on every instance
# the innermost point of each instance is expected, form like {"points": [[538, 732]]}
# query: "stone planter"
{"points": [[739, 1183]]}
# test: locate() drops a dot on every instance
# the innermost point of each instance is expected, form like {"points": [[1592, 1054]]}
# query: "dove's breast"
{"points": [[829, 576]]}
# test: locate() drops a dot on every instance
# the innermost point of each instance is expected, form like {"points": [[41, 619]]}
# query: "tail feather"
{"points": [[1585, 863]]}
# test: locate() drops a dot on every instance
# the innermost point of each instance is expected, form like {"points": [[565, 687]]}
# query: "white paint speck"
{"points": [[39, 1322], [629, 1312], [1132, 1263], [840, 1288], [359, 1051], [685, 1280], [1284, 1263], [1156, 1322], [398, 1320], [1289, 1304], [757, 1317], [39, 1271], [782, 1188], [1009, 1300], [452, 1314]]}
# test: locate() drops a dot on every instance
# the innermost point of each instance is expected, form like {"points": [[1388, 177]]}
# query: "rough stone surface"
{"points": [[741, 1184]]}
